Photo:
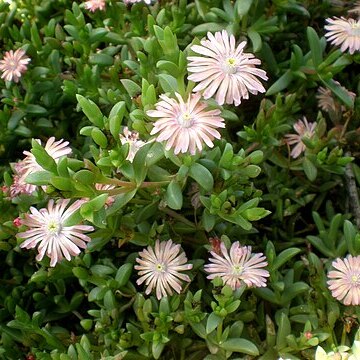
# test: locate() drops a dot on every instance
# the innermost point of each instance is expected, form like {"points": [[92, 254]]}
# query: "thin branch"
{"points": [[177, 216], [352, 192]]}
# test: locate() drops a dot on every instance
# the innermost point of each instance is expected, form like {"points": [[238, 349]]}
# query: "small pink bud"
{"points": [[17, 222]]}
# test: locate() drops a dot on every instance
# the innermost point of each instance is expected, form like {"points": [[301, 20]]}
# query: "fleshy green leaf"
{"points": [[315, 46], [309, 169], [281, 84], [285, 256], [173, 196], [123, 274], [202, 176], [132, 88], [212, 322], [241, 346], [91, 110]]}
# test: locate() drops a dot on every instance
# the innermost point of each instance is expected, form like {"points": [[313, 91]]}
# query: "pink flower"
{"points": [[344, 32], [93, 5], [185, 126], [303, 129], [49, 229], [327, 102], [13, 65], [56, 149], [161, 268], [238, 267], [344, 282], [224, 69], [20, 186], [132, 139]]}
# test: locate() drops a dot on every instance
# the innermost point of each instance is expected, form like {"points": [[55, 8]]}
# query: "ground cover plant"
{"points": [[180, 179]]}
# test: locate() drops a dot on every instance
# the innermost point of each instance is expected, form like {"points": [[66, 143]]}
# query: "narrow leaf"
{"points": [[315, 46], [241, 346]]}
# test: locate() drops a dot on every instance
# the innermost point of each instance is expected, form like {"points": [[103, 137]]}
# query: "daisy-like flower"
{"points": [[13, 65], [93, 5], [344, 281], [161, 268], [185, 125], [224, 69], [303, 129], [56, 149], [344, 32], [49, 228], [328, 103], [238, 266], [131, 138]]}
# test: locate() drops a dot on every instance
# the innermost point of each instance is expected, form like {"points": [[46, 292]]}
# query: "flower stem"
{"points": [[343, 336], [177, 216], [352, 191]]}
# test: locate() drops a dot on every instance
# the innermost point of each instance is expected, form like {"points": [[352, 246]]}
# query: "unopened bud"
{"points": [[17, 222]]}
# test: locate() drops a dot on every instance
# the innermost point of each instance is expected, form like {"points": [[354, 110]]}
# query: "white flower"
{"points": [[13, 65], [49, 229], [303, 129], [224, 69], [344, 32], [238, 266], [93, 5], [185, 125], [161, 268], [344, 280], [29, 165]]}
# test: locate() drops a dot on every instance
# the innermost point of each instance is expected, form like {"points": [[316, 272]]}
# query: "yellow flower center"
{"points": [[53, 227], [160, 267], [355, 29], [185, 120], [355, 279], [230, 66], [12, 64], [237, 269]]}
